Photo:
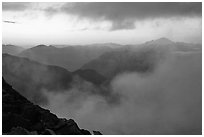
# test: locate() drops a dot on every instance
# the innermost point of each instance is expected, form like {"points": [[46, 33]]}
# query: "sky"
{"points": [[52, 23]]}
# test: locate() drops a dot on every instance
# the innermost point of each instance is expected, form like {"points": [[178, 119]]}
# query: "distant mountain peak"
{"points": [[160, 41], [163, 39], [41, 45]]}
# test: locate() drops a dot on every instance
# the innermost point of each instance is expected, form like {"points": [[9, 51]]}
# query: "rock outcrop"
{"points": [[21, 117]]}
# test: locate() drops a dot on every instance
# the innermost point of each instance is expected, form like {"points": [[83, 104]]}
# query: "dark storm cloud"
{"points": [[123, 15], [15, 6]]}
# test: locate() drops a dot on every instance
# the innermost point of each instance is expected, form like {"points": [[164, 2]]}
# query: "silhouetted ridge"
{"points": [[41, 45], [20, 116]]}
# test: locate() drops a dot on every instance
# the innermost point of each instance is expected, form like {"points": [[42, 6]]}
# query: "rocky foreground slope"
{"points": [[21, 117]]}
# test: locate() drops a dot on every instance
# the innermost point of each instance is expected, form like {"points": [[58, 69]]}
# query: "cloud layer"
{"points": [[15, 6], [168, 101], [122, 15]]}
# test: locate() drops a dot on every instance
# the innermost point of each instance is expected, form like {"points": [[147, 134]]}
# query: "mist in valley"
{"points": [[151, 89], [165, 101], [113, 67]]}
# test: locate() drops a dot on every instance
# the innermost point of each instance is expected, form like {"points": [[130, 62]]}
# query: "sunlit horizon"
{"points": [[30, 24]]}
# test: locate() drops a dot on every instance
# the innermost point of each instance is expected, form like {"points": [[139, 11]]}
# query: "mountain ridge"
{"points": [[71, 57], [23, 73], [21, 117]]}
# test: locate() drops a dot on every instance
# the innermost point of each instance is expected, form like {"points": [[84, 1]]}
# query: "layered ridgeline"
{"points": [[93, 77], [74, 57], [141, 58], [140, 79], [70, 57], [21, 117], [33, 79]]}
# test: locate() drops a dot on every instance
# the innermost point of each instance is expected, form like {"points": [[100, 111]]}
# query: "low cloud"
{"points": [[166, 102], [15, 6], [123, 15]]}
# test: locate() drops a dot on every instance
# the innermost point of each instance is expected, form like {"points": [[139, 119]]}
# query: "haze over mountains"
{"points": [[11, 49], [71, 57], [24, 73], [121, 68], [141, 58], [124, 89]]}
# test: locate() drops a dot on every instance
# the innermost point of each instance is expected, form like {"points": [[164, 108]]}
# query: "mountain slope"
{"points": [[91, 76], [11, 49], [175, 46], [19, 116], [112, 63], [71, 57], [160, 41], [141, 58], [24, 73]]}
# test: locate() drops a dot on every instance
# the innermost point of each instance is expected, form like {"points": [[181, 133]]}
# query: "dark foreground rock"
{"points": [[21, 117], [97, 133]]}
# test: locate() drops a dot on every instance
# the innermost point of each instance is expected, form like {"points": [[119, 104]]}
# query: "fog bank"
{"points": [[167, 101]]}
